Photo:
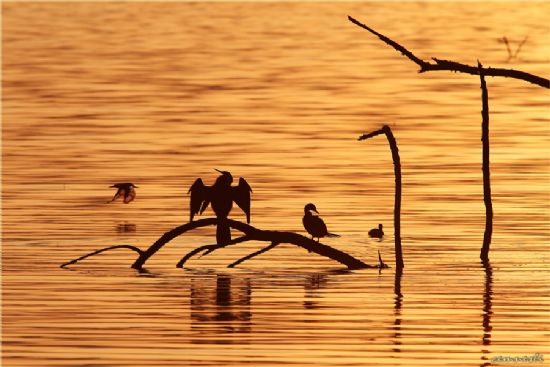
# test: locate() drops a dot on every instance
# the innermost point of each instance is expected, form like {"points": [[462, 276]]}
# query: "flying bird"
{"points": [[220, 197], [314, 225], [377, 232], [126, 189]]}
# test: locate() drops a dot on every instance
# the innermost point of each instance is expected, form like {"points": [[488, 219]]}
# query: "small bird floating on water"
{"points": [[377, 232], [220, 196], [126, 189], [314, 225]]}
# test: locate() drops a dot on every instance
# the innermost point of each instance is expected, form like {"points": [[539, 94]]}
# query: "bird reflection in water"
{"points": [[223, 308], [487, 313], [313, 283], [125, 227]]}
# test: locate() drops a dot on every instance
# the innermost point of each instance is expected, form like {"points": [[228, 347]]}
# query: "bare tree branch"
{"points": [[250, 234], [455, 66], [397, 202], [209, 249], [169, 236], [254, 254], [134, 248], [487, 235]]}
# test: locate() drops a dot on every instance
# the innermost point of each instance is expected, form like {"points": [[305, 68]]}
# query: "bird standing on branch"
{"points": [[314, 225], [220, 196], [126, 189]]}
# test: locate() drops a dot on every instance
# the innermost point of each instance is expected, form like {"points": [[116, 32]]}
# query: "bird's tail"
{"points": [[333, 235], [223, 232]]}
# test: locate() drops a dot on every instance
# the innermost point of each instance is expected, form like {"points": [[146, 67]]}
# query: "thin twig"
{"points": [[134, 248], [455, 66], [254, 254], [518, 49], [381, 263], [209, 249]]}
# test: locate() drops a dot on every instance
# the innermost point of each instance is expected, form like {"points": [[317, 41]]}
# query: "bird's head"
{"points": [[225, 178], [380, 226], [310, 208]]}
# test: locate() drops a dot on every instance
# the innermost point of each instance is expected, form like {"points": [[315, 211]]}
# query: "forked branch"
{"points": [[250, 234]]}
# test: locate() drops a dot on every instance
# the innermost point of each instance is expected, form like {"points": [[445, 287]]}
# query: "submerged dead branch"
{"points": [[250, 234], [455, 66]]}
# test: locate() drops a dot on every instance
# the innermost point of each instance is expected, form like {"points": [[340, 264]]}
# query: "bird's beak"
{"points": [[314, 211], [215, 169]]}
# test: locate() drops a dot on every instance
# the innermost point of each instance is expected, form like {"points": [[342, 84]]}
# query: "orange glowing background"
{"points": [[161, 93]]}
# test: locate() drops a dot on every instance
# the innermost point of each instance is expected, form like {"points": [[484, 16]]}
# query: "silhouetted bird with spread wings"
{"points": [[126, 189], [220, 196], [314, 225]]}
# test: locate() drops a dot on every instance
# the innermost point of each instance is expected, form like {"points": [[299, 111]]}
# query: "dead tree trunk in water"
{"points": [[468, 69], [485, 168], [397, 203]]}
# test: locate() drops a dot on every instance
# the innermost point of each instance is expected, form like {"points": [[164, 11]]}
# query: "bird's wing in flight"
{"points": [[117, 195], [200, 198], [241, 196], [129, 195]]}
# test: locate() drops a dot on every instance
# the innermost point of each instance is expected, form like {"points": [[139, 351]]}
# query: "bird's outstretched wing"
{"points": [[241, 196], [200, 197], [117, 195]]}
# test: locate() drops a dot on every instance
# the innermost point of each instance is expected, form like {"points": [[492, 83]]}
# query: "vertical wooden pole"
{"points": [[484, 255], [397, 202]]}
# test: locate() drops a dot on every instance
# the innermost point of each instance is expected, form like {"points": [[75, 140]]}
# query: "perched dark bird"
{"points": [[126, 189], [220, 196], [314, 225], [377, 232]]}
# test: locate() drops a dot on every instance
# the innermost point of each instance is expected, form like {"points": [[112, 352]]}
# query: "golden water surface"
{"points": [[159, 94]]}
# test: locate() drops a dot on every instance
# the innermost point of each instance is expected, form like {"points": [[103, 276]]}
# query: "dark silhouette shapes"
{"points": [[455, 66], [314, 225], [482, 72], [254, 254], [484, 255], [276, 238], [377, 232], [397, 203], [220, 197], [126, 189], [130, 247], [381, 263], [513, 55], [250, 234]]}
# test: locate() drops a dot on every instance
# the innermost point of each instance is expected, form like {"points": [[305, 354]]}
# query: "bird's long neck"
{"points": [[222, 182]]}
